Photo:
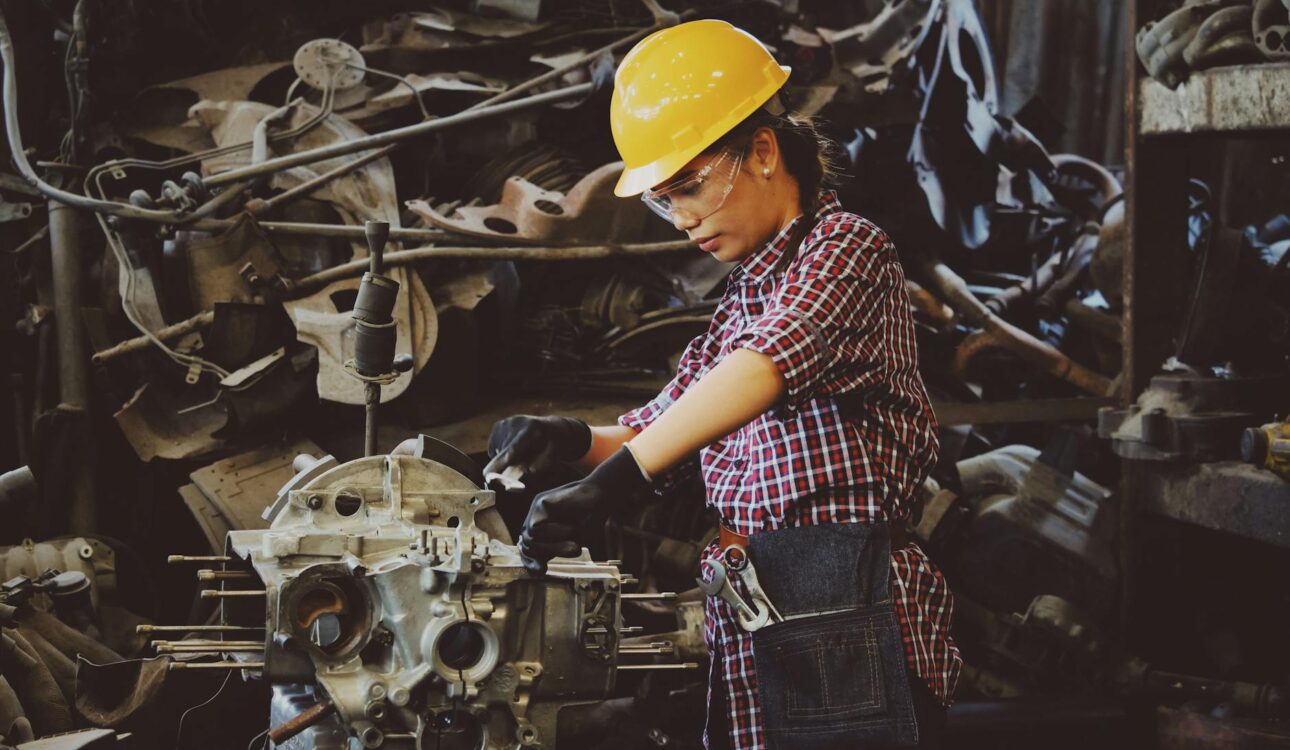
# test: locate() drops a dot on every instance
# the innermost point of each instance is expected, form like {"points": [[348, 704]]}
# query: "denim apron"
{"points": [[833, 673]]}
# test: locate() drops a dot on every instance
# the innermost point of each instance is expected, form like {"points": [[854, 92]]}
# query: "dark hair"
{"points": [[809, 155]]}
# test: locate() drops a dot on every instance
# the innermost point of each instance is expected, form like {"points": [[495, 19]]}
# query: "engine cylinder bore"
{"points": [[331, 613], [461, 650]]}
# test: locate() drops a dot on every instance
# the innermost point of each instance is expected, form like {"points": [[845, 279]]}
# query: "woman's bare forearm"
{"points": [[605, 441], [742, 386]]}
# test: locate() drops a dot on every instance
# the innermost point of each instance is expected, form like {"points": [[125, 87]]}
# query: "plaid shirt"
{"points": [[850, 443]]}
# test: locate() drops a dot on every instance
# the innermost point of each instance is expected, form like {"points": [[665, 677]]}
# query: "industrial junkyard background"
{"points": [[167, 363]]}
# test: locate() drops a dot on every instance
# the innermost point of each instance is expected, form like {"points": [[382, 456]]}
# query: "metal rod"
{"points": [[208, 642], [224, 575], [301, 721], [622, 630], [659, 595], [143, 629], [183, 327], [218, 665], [590, 57], [197, 558], [682, 665], [200, 649], [310, 185], [270, 166], [417, 254], [224, 594], [660, 647], [345, 231], [67, 268]]}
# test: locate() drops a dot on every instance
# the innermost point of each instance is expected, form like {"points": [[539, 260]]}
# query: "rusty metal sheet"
{"points": [[529, 214], [1235, 98], [158, 426]]}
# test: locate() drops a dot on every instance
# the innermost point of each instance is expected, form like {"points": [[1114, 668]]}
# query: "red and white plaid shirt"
{"points": [[850, 443]]}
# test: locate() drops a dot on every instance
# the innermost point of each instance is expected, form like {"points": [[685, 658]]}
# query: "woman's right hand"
{"points": [[526, 446]]}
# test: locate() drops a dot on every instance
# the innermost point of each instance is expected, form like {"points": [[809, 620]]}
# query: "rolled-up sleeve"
{"points": [[828, 299]]}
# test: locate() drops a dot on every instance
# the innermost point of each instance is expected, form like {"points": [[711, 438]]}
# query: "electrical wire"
{"points": [[179, 731]]}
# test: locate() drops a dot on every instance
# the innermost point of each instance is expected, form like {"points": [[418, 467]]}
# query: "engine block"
{"points": [[398, 614]]}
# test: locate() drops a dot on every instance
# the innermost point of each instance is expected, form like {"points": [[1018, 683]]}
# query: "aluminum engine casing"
{"points": [[391, 587]]}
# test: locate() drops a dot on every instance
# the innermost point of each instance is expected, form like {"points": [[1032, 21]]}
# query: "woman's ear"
{"points": [[764, 152]]}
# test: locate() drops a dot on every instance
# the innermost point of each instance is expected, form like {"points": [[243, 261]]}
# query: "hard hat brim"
{"points": [[636, 180]]}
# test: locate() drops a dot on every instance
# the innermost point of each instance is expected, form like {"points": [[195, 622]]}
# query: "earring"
{"points": [[765, 172]]}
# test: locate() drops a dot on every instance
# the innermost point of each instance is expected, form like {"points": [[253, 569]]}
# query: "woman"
{"points": [[802, 406]]}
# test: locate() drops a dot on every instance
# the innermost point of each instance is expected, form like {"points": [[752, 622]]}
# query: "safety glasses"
{"points": [[697, 196]]}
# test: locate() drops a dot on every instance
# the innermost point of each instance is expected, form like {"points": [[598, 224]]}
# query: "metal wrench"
{"points": [[752, 616]]}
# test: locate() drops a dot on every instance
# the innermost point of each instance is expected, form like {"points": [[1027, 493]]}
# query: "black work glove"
{"points": [[536, 446], [556, 515]]}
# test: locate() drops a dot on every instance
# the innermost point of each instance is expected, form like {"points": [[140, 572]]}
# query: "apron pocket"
{"points": [[835, 680]]}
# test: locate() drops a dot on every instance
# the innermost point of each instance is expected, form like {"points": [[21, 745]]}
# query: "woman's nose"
{"points": [[683, 221]]}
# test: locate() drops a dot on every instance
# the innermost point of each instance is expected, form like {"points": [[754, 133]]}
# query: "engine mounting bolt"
{"points": [[376, 691], [400, 696], [314, 502]]}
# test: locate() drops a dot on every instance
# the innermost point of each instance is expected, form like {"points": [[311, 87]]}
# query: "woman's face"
{"points": [[762, 199]]}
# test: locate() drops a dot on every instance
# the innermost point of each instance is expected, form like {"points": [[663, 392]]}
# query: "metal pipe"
{"points": [[144, 629], [660, 595], [170, 332], [66, 267], [301, 721], [682, 665], [208, 649], [310, 185], [216, 665], [321, 279], [590, 57], [223, 575], [997, 332], [208, 642], [322, 153], [344, 231], [232, 593], [172, 559]]}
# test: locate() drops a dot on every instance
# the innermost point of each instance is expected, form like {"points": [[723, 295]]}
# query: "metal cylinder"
{"points": [[67, 268], [376, 297]]}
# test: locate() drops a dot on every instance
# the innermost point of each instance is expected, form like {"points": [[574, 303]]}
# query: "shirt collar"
{"points": [[757, 266]]}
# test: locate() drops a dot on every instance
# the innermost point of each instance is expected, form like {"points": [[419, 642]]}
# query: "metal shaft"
{"points": [[144, 629], [662, 595], [301, 721], [217, 665], [198, 558], [682, 665], [214, 594], [271, 166], [211, 649], [223, 575]]}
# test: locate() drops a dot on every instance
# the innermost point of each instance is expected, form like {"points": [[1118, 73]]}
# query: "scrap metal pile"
{"points": [[1203, 34], [208, 309]]}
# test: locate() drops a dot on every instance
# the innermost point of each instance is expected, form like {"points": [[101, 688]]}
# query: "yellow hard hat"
{"points": [[679, 90]]}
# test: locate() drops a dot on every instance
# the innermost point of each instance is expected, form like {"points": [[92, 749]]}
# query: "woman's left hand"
{"points": [[556, 515]]}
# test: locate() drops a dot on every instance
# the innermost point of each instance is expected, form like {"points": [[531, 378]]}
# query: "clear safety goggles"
{"points": [[697, 196]]}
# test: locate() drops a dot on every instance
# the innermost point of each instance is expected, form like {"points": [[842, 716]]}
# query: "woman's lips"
{"points": [[709, 244]]}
